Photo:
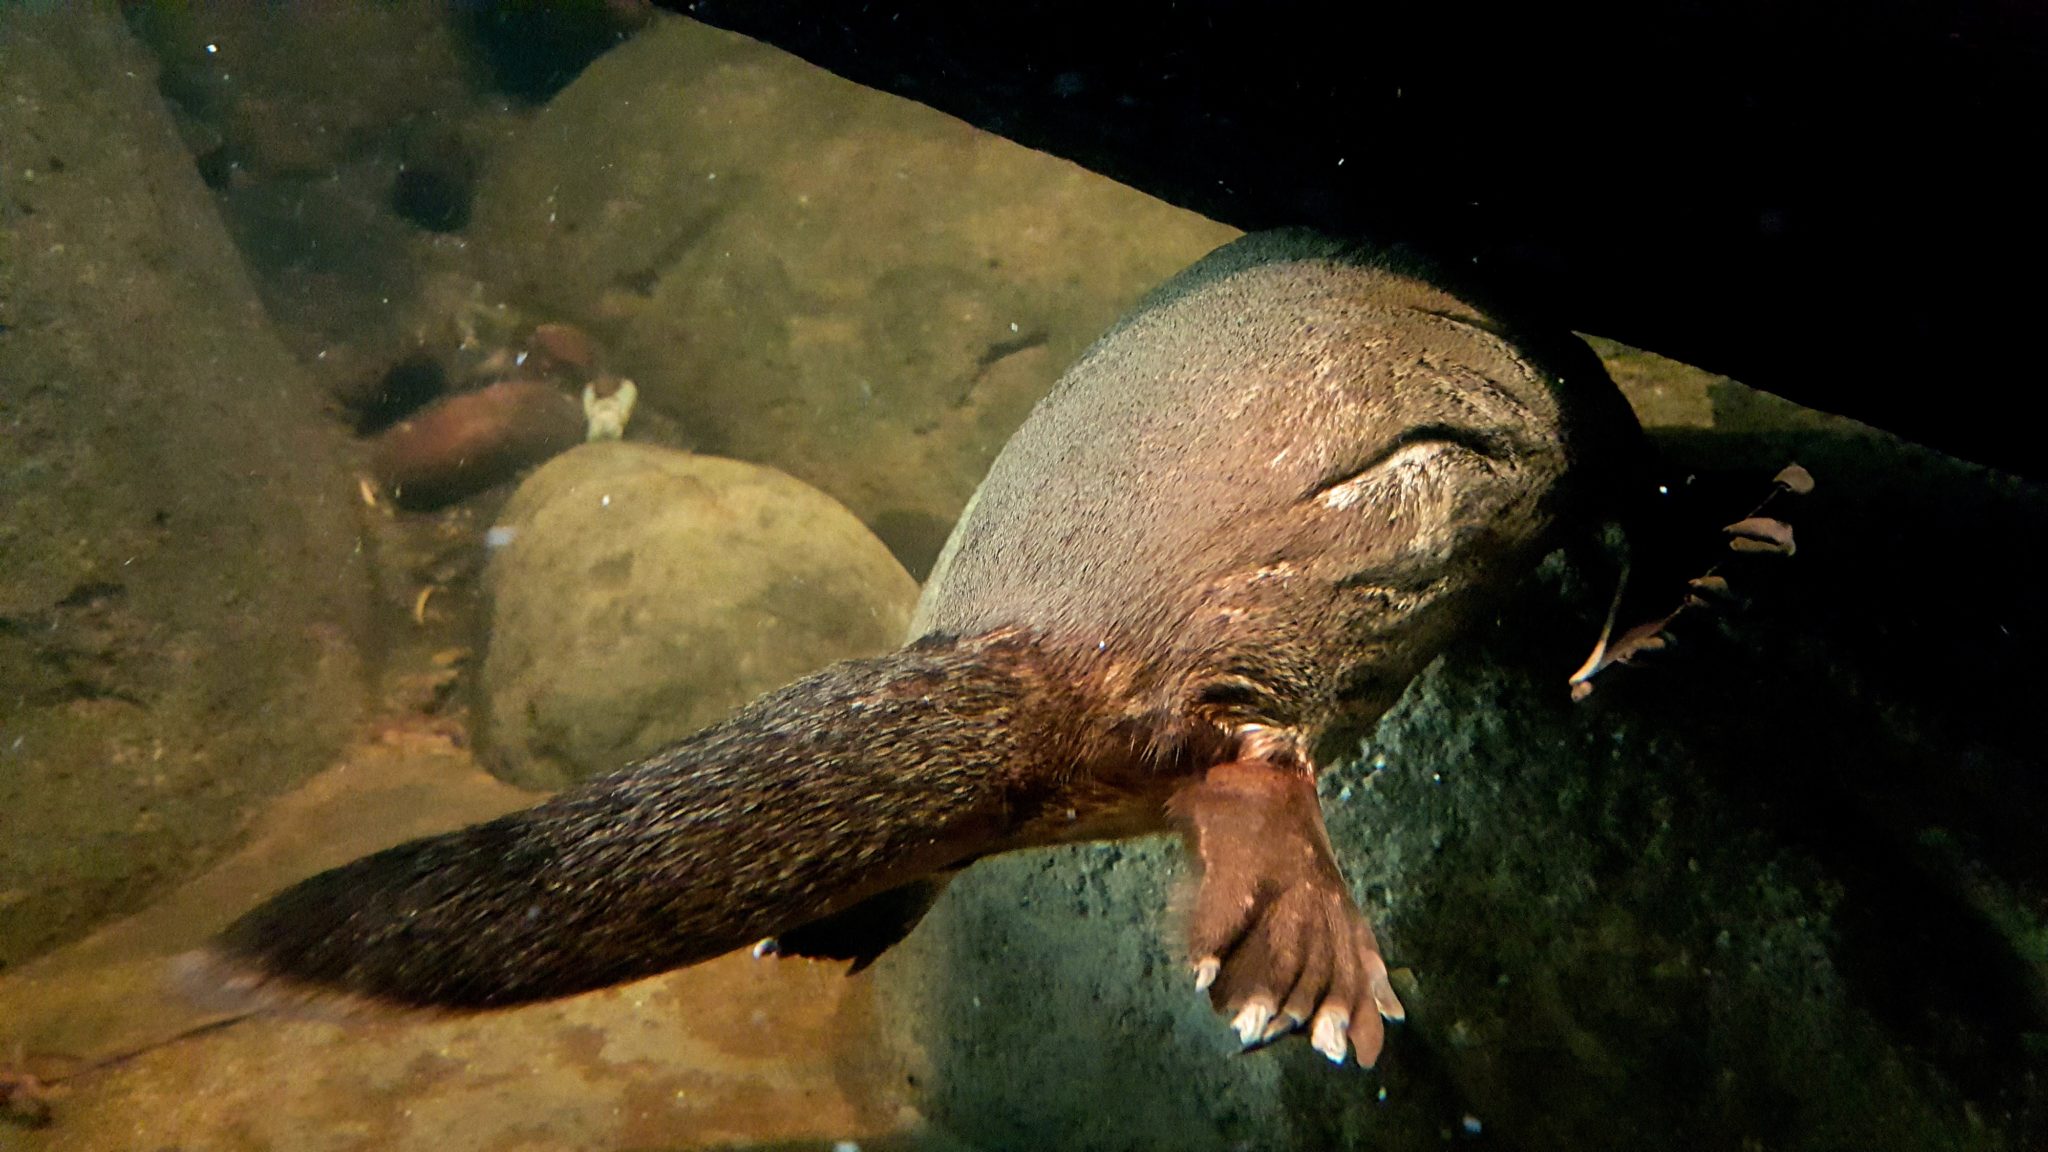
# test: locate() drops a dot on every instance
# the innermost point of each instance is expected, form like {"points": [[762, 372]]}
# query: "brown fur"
{"points": [[1244, 520]]}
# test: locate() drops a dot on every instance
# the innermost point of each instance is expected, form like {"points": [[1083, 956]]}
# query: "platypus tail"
{"points": [[845, 786]]}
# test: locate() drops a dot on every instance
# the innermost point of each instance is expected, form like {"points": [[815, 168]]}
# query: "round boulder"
{"points": [[640, 593], [802, 272]]}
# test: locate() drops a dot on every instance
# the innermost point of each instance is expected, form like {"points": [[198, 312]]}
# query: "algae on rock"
{"points": [[182, 605], [640, 593], [808, 274]]}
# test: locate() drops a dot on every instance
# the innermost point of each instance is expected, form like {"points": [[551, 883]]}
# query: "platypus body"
{"points": [[1239, 525]]}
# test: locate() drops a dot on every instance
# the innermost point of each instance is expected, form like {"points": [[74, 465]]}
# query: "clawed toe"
{"points": [[1330, 1034], [1251, 1021], [1764, 534], [1315, 945], [1757, 534], [1278, 944], [1383, 999]]}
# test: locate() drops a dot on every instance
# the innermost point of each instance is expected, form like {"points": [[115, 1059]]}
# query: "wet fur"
{"points": [[1241, 522], [769, 820]]}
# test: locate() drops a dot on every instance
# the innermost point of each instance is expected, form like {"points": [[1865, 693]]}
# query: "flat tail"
{"points": [[863, 778], [432, 923], [216, 981]]}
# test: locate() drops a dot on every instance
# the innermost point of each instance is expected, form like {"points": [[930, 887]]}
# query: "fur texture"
{"points": [[1242, 521]]}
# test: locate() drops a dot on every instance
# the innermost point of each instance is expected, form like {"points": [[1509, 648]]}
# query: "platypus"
{"points": [[1237, 527]]}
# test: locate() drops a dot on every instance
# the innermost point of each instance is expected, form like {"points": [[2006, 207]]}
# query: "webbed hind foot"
{"points": [[1277, 941]]}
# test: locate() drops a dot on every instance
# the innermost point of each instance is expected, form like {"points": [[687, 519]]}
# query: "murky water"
{"points": [[317, 327]]}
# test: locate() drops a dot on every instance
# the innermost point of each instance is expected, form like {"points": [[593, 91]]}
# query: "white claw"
{"points": [[1384, 999], [1282, 1024], [1205, 973], [1331, 1034], [1251, 1022]]}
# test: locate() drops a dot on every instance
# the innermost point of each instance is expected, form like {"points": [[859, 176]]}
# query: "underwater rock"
{"points": [[811, 275], [332, 134], [299, 89], [436, 180], [183, 602], [466, 443], [639, 593], [379, 398], [561, 351]]}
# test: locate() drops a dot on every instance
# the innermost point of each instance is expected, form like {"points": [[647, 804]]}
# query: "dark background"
{"points": [[1834, 202]]}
